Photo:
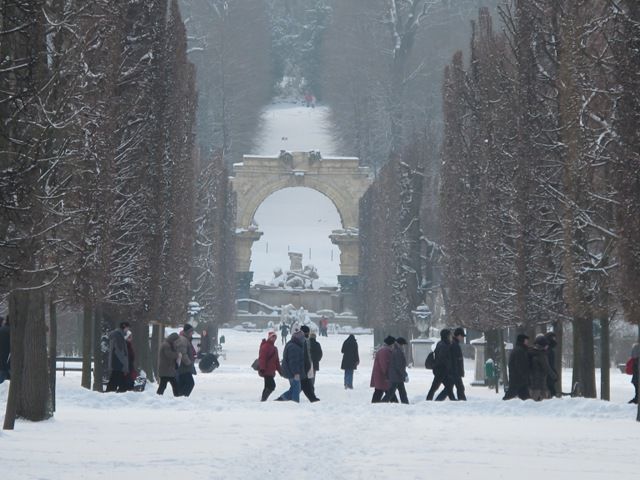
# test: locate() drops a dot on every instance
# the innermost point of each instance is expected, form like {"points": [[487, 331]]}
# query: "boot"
{"points": [[265, 394]]}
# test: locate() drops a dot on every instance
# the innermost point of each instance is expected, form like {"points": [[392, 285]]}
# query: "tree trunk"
{"points": [[53, 349], [583, 357], [87, 324], [18, 305], [605, 359], [156, 340], [35, 404]]}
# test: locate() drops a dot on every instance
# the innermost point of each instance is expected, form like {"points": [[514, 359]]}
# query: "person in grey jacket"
{"points": [[118, 359], [398, 372], [167, 365], [292, 366], [186, 367]]}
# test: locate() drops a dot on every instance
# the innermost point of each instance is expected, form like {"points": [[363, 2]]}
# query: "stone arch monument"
{"points": [[341, 179]]}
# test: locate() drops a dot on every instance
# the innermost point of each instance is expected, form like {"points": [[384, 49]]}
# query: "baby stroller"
{"points": [[209, 363]]}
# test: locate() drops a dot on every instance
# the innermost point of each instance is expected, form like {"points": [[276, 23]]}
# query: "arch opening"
{"points": [[296, 219]]}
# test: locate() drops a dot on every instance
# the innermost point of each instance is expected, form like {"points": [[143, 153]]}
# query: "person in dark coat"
{"points": [[308, 375], [316, 356], [284, 331], [458, 362], [380, 371], [635, 354], [186, 366], [350, 360], [293, 366], [519, 368], [168, 356], [268, 364], [540, 371], [5, 350], [398, 372], [130, 378], [551, 355], [118, 359], [442, 368]]}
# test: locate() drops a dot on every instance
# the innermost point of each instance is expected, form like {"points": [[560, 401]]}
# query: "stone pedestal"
{"points": [[349, 245], [420, 348], [479, 345], [243, 284], [244, 242]]}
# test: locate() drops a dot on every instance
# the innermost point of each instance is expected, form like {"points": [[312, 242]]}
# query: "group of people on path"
{"points": [[121, 362], [448, 367], [532, 372], [389, 372]]}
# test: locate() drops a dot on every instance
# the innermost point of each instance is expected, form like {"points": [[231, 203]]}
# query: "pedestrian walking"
{"points": [[168, 358], [268, 364], [635, 354], [350, 360], [130, 378], [540, 371], [442, 368], [551, 355], [292, 366], [308, 374], [380, 371], [118, 365], [519, 369], [458, 362], [284, 331], [316, 355], [398, 371], [186, 367]]}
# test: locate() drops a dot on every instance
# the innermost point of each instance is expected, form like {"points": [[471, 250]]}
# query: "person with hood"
{"points": [[635, 354], [398, 371], [458, 362], [442, 368], [540, 371], [186, 368], [118, 359], [380, 371], [316, 355], [168, 358], [519, 368], [292, 366], [308, 374], [551, 355], [5, 349], [350, 360], [268, 364]]}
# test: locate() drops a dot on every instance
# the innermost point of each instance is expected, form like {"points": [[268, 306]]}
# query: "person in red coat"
{"points": [[380, 372], [268, 364]]}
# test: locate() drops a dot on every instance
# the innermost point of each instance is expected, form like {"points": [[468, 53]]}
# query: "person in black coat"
{"points": [[308, 374], [316, 355], [350, 360], [519, 370], [398, 372], [5, 349], [458, 362], [443, 368], [551, 355]]}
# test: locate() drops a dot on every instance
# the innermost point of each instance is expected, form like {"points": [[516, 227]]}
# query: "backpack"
{"points": [[430, 361], [628, 368]]}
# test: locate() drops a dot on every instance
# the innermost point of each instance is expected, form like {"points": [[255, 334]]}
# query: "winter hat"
{"points": [[521, 338], [305, 329], [541, 341], [459, 331], [551, 338], [389, 340], [401, 341], [312, 334], [271, 334], [187, 327], [444, 334]]}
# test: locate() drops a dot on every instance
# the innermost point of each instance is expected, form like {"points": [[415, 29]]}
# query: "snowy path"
{"points": [[223, 432]]}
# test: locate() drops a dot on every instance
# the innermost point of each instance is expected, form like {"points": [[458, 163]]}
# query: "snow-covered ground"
{"points": [[296, 219], [223, 432]]}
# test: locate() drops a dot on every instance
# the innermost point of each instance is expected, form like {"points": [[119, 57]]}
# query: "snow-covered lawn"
{"points": [[223, 432]]}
